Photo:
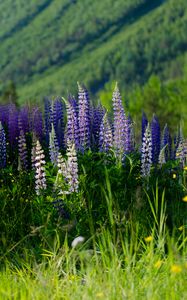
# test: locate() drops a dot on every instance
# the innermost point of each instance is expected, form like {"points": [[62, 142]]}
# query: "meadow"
{"points": [[91, 207]]}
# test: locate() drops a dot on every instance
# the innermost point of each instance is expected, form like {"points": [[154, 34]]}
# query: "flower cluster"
{"points": [[40, 177], [146, 152]]}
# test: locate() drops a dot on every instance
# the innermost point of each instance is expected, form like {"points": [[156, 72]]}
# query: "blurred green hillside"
{"points": [[47, 46]]}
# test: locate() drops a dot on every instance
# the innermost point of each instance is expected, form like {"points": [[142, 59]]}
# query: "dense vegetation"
{"points": [[59, 43]]}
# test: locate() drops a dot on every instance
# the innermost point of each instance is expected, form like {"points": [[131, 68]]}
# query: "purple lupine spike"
{"points": [[13, 130], [105, 136], [2, 147], [155, 134], [97, 116], [53, 146], [72, 129], [83, 119], [57, 120], [146, 153], [72, 168], [37, 123], [144, 123], [22, 147], [4, 115], [47, 118], [166, 143], [121, 138], [24, 120], [40, 177]]}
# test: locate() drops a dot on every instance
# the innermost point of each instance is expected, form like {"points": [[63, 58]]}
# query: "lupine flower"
{"points": [[37, 123], [105, 135], [61, 182], [166, 143], [2, 147], [181, 152], [72, 129], [97, 114], [84, 119], [57, 120], [72, 168], [53, 146], [22, 147], [47, 118], [13, 131], [121, 138], [146, 153], [40, 177], [23, 120], [155, 135], [144, 124]]}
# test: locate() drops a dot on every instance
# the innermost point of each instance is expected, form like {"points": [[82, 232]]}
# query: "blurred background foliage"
{"points": [[47, 46]]}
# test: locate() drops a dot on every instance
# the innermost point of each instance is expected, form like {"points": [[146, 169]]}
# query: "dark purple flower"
{"points": [[37, 123], [58, 121], [144, 123], [13, 130], [97, 114], [155, 134], [2, 147], [24, 120]]}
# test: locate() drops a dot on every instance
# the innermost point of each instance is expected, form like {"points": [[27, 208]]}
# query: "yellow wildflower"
{"points": [[148, 238], [174, 176], [181, 228], [185, 168], [184, 198], [99, 295], [176, 269], [158, 264]]}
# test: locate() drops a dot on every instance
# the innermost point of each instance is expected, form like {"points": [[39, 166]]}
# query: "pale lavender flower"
{"points": [[72, 128], [84, 119], [72, 168], [40, 177], [146, 153], [22, 147], [105, 135], [121, 131], [53, 146]]}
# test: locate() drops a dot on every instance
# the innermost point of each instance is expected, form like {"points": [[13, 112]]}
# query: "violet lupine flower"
{"points": [[181, 152], [22, 147], [166, 143], [121, 138], [53, 146], [57, 120], [2, 147], [144, 124], [105, 135], [155, 134], [4, 115], [72, 129], [24, 120], [47, 118], [72, 168], [13, 131], [37, 123], [83, 119], [146, 153], [97, 117], [40, 177]]}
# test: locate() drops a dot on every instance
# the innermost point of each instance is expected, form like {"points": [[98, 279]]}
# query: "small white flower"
{"points": [[78, 240]]}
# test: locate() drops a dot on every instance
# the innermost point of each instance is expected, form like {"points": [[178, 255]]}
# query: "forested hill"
{"points": [[47, 46]]}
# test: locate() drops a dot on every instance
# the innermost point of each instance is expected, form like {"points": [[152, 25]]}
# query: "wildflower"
{"points": [[181, 228], [72, 168], [78, 240], [121, 130], [176, 269], [22, 147], [97, 114], [53, 146], [84, 119], [184, 198], [2, 147], [72, 130], [40, 179], [148, 239], [185, 168], [158, 264], [99, 295], [105, 135], [174, 175], [146, 157], [155, 136]]}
